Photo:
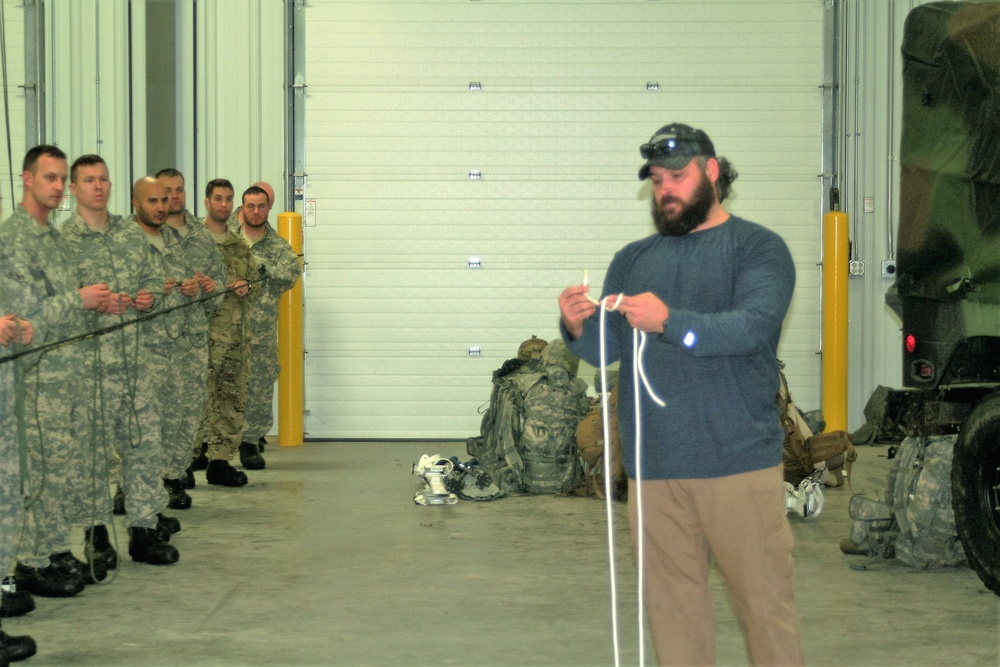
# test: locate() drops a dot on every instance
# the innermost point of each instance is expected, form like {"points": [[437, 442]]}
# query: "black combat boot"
{"points": [[200, 462], [48, 581], [261, 444], [167, 526], [14, 602], [220, 472], [98, 547], [250, 457], [16, 647], [179, 498], [91, 573], [145, 546], [187, 481]]}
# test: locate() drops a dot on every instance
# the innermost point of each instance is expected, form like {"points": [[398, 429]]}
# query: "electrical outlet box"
{"points": [[888, 268], [474, 351], [857, 267]]}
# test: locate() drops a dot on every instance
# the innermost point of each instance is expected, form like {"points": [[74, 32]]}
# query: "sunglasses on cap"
{"points": [[672, 146]]}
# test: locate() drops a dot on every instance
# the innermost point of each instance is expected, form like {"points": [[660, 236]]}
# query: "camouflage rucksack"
{"points": [[527, 436], [916, 522]]}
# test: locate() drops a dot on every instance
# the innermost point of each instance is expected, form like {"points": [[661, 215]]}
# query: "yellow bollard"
{"points": [[291, 430], [836, 271]]}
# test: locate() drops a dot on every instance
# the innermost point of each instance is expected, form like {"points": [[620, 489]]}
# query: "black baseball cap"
{"points": [[673, 146]]}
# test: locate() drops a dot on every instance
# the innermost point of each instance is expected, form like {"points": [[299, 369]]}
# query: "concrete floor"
{"points": [[324, 559]]}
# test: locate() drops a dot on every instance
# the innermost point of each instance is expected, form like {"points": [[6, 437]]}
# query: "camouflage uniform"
{"points": [[129, 426], [64, 470], [19, 300], [280, 269], [189, 250], [229, 355]]}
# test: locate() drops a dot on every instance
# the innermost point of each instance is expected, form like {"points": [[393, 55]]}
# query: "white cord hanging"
{"points": [[639, 373]]}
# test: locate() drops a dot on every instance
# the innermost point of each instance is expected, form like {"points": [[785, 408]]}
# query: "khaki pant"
{"points": [[740, 521]]}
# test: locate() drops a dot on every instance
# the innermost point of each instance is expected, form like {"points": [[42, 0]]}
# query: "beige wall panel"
{"points": [[394, 132]]}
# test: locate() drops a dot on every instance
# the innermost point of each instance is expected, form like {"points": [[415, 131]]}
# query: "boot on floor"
{"points": [[98, 546], [250, 457], [178, 497], [223, 474], [146, 546]]}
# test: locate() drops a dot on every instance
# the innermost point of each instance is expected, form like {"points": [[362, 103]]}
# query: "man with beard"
{"points": [[710, 291], [280, 270], [194, 257], [229, 350], [164, 350]]}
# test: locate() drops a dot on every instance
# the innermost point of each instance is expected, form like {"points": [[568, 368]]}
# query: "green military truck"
{"points": [[947, 287]]}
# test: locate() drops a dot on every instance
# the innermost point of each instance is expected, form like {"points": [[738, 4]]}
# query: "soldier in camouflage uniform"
{"points": [[58, 389], [191, 254], [280, 269], [229, 350], [108, 247], [164, 335], [15, 333]]}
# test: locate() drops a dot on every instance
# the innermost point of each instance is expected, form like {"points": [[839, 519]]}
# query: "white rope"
{"points": [[638, 373], [640, 538], [608, 491]]}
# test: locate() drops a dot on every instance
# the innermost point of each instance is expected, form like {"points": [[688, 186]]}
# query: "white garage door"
{"points": [[470, 159]]}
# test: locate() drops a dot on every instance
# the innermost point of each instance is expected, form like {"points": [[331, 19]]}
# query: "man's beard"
{"points": [[690, 216]]}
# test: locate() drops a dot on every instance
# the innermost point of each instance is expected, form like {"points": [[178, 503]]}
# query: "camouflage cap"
{"points": [[531, 348]]}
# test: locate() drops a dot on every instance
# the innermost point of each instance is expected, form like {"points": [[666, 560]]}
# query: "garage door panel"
{"points": [[413, 175]]}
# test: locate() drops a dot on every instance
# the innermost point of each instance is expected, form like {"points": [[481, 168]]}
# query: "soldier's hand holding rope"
{"points": [[190, 287], [15, 330], [95, 297], [206, 282]]}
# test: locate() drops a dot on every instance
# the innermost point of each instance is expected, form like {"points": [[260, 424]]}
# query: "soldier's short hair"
{"points": [[255, 190], [31, 157], [218, 183], [87, 160], [169, 171]]}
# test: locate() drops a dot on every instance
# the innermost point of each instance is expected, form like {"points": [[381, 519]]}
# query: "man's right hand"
{"points": [[95, 297], [575, 307]]}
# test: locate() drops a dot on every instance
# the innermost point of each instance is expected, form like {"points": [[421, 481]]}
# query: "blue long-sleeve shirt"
{"points": [[715, 365]]}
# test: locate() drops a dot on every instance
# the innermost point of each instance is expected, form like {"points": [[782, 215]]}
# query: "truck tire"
{"points": [[975, 489]]}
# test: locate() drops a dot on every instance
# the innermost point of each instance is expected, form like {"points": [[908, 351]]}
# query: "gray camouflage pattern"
{"points": [[916, 523], [63, 466], [18, 299], [280, 270], [183, 362], [128, 426]]}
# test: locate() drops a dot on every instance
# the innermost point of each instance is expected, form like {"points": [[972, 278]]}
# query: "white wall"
{"points": [[229, 90]]}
